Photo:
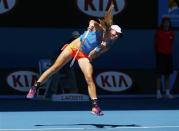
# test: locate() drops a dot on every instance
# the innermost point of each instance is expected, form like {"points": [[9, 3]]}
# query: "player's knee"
{"points": [[89, 80]]}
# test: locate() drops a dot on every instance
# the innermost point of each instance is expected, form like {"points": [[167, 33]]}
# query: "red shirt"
{"points": [[164, 41]]}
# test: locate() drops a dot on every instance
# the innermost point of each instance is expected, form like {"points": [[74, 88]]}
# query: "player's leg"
{"points": [[61, 60], [158, 86], [167, 86], [168, 71], [159, 73], [87, 70]]}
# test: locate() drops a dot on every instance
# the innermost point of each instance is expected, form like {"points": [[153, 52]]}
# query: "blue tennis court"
{"points": [[120, 115], [167, 120]]}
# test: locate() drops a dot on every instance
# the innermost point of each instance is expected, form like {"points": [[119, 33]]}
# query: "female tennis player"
{"points": [[85, 48]]}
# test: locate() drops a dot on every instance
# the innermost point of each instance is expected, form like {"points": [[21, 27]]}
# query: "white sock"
{"points": [[158, 92]]}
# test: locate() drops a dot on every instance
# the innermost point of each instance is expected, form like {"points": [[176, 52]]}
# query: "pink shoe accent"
{"points": [[97, 111], [31, 93]]}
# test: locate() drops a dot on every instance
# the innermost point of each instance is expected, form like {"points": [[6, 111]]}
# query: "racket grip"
{"points": [[72, 62]]}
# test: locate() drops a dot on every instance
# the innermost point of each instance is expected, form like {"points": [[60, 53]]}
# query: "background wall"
{"points": [[31, 30]]}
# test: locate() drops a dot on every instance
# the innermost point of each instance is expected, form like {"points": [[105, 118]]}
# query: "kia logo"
{"points": [[98, 8], [22, 80], [6, 5], [113, 81]]}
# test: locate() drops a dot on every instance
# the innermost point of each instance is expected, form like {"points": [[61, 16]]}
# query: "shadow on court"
{"points": [[93, 125]]}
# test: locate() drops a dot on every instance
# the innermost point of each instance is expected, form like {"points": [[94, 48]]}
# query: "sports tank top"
{"points": [[92, 40]]}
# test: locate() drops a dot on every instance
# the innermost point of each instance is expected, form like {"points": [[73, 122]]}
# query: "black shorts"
{"points": [[164, 64]]}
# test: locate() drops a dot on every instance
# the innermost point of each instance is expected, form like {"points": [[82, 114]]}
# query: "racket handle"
{"points": [[73, 60]]}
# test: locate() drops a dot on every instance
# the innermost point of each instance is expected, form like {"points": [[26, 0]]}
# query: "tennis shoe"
{"points": [[31, 93], [169, 96], [97, 111]]}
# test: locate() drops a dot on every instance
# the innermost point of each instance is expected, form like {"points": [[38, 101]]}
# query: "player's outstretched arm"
{"points": [[95, 26]]}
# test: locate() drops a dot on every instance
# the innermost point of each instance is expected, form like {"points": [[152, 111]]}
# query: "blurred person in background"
{"points": [[173, 6], [70, 85], [164, 38], [74, 35], [64, 81]]}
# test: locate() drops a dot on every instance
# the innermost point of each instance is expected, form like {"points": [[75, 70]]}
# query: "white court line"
{"points": [[43, 129]]}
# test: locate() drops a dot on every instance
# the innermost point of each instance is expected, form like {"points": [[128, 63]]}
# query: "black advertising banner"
{"points": [[71, 85], [127, 82], [76, 13], [17, 81]]}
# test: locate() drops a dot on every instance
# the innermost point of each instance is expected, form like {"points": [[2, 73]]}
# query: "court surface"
{"points": [[31, 117]]}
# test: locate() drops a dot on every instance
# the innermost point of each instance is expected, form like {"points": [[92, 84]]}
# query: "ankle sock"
{"points": [[37, 85], [94, 102]]}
